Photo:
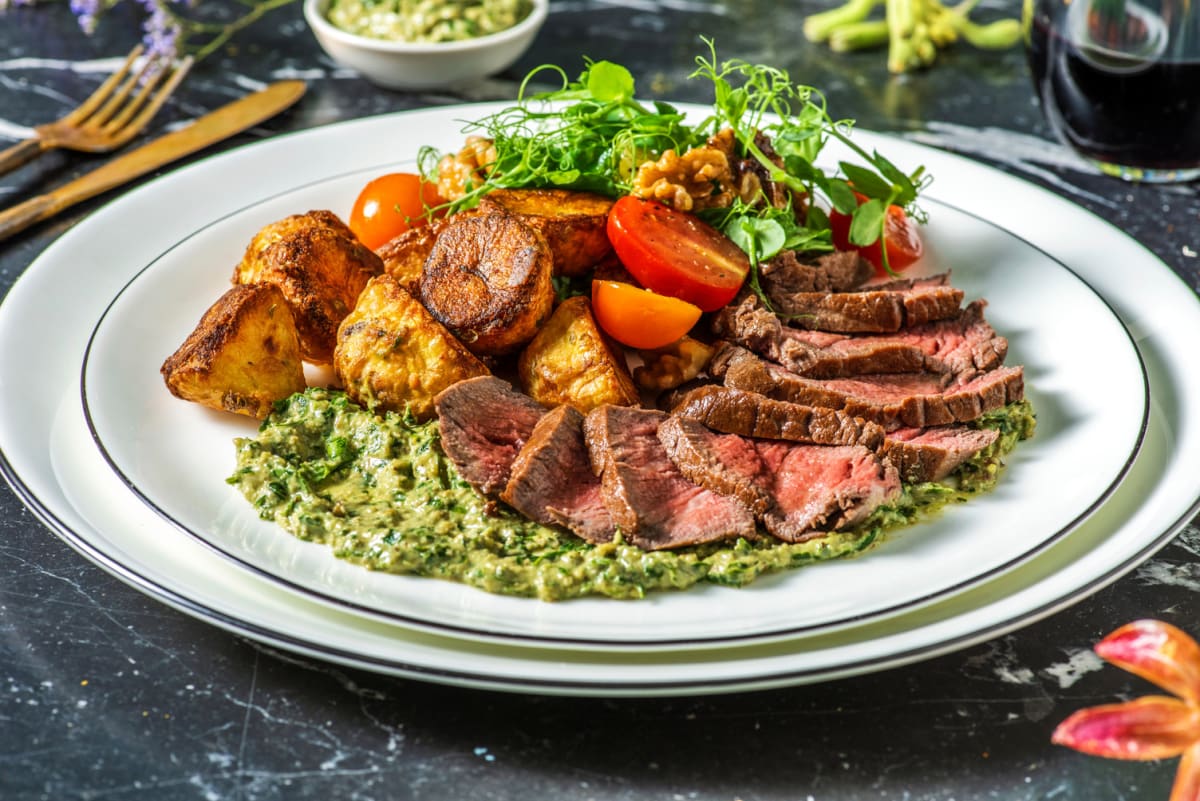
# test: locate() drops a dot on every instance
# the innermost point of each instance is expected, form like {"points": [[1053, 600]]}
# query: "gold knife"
{"points": [[226, 121]]}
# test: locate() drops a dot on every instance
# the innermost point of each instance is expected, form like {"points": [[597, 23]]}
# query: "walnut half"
{"points": [[468, 168], [672, 366], [699, 178]]}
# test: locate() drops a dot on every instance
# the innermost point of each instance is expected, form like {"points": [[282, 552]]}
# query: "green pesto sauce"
{"points": [[426, 21], [380, 492]]}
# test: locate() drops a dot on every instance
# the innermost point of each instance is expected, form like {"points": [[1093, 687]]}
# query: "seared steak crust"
{"points": [[734, 411], [552, 480], [484, 423], [880, 308], [797, 491], [915, 400], [839, 271], [650, 501], [931, 454], [959, 347]]}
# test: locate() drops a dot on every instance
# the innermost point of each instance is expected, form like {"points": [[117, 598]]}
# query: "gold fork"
{"points": [[110, 117]]}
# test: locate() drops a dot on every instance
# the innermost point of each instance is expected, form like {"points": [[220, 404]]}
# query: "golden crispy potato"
{"points": [[320, 266], [570, 361], [391, 353], [573, 223], [404, 255], [488, 279], [243, 356]]}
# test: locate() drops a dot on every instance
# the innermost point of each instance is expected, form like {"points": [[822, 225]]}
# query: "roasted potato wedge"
{"points": [[391, 353], [242, 357], [404, 255], [573, 223], [489, 280], [320, 266], [570, 361]]}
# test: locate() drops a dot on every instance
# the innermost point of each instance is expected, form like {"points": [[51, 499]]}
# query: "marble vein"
{"points": [[1078, 664]]}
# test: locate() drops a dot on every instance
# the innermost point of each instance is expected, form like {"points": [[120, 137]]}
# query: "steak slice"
{"points": [[839, 271], [915, 400], [552, 480], [961, 346], [931, 454], [734, 411], [650, 501], [798, 491], [879, 308], [484, 423]]}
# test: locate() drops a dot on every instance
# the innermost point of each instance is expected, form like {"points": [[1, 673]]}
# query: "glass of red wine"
{"points": [[1119, 82]]}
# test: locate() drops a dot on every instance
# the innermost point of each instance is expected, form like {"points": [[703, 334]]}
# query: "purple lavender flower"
{"points": [[87, 12], [160, 30]]}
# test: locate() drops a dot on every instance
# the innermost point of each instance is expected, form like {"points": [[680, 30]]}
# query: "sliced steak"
{"points": [[879, 308], [734, 411], [931, 454], [961, 346], [650, 501], [484, 423], [915, 400], [798, 491], [552, 480], [787, 274]]}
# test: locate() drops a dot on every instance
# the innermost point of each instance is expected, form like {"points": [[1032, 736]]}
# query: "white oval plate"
{"points": [[47, 318], [1089, 392]]}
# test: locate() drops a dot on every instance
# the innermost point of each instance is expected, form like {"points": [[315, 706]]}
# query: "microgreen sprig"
{"points": [[751, 98], [592, 133]]}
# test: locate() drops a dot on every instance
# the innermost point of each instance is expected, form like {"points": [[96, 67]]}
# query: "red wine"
{"points": [[1125, 97]]}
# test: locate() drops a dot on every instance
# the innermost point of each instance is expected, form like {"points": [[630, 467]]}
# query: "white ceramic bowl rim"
{"points": [[314, 12]]}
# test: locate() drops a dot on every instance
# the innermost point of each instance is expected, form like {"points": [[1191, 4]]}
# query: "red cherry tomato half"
{"points": [[904, 246], [676, 254], [640, 318], [390, 205]]}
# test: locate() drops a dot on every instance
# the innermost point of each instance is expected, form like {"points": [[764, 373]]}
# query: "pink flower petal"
{"points": [[1154, 727], [1157, 652]]}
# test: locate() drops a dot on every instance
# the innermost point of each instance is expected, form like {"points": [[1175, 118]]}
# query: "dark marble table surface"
{"points": [[107, 694]]}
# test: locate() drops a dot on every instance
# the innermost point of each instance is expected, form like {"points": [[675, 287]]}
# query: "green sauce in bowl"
{"points": [[427, 21]]}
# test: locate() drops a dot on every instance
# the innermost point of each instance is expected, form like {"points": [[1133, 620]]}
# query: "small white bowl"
{"points": [[401, 65]]}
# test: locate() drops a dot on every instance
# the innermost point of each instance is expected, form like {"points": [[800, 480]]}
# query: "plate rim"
{"points": [[30, 482], [612, 642]]}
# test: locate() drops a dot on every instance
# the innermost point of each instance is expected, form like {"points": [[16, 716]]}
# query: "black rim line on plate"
{"points": [[237, 625], [448, 629]]}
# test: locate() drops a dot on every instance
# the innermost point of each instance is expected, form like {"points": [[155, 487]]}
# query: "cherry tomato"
{"points": [[677, 254], [640, 318], [904, 244], [391, 204]]}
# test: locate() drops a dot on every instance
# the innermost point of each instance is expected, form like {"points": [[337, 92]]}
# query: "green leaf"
{"points": [[609, 82], [803, 169], [771, 238], [908, 192], [563, 177], [817, 219], [804, 239], [867, 223], [761, 238], [866, 181], [841, 196]]}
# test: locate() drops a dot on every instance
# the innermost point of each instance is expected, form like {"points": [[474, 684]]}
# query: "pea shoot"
{"points": [[592, 133]]}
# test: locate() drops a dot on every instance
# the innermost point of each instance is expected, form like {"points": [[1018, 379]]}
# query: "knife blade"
{"points": [[213, 127]]}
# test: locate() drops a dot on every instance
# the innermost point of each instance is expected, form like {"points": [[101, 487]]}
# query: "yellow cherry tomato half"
{"points": [[640, 318], [391, 204]]}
